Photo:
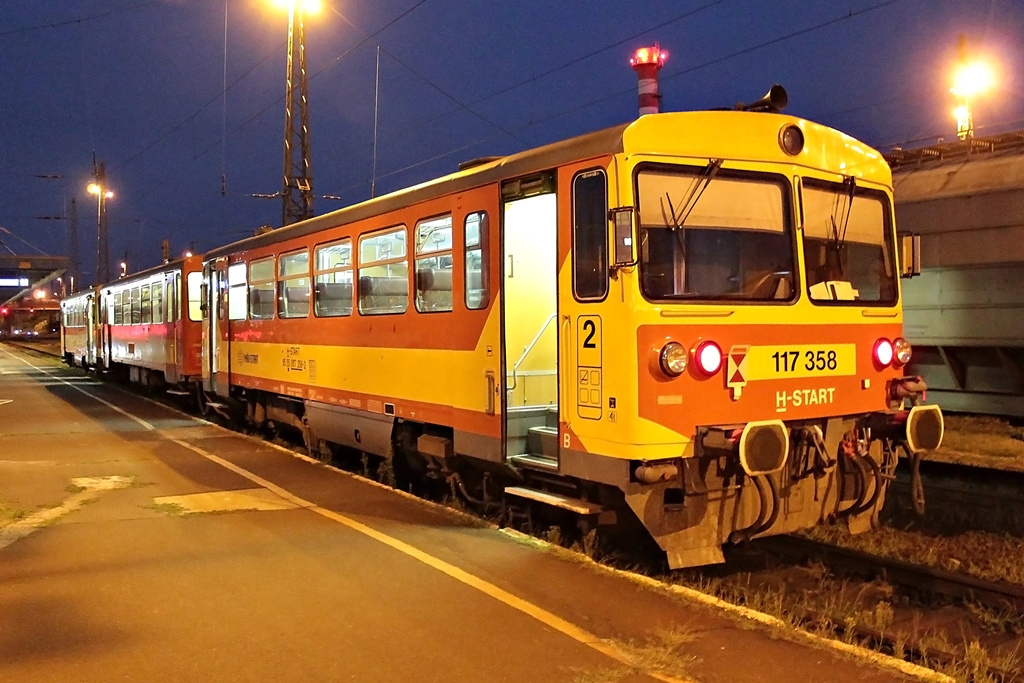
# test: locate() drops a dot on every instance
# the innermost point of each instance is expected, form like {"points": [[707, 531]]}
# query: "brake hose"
{"points": [[916, 486]]}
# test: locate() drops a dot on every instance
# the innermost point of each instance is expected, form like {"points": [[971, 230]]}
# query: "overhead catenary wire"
{"points": [[561, 67], [547, 72], [537, 121], [79, 20], [632, 91]]}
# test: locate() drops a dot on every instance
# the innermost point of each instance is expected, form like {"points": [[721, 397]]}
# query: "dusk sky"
{"points": [[141, 85]]}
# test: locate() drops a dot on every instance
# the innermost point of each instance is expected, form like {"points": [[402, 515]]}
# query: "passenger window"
{"points": [[293, 285], [476, 260], [434, 265], [158, 302], [332, 290], [261, 289], [383, 273], [237, 294], [136, 306], [147, 306], [126, 307], [194, 285], [590, 235], [118, 312]]}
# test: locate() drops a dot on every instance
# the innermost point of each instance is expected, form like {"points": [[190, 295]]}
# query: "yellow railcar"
{"points": [[691, 321]]}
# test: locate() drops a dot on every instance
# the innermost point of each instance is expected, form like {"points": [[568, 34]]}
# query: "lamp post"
{"points": [[99, 188], [970, 79], [297, 190]]}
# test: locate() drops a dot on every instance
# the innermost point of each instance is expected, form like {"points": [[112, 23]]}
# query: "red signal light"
{"points": [[883, 352], [3, 311], [708, 355]]}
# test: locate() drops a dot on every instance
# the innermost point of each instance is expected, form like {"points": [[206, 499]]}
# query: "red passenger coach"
{"points": [[151, 324]]}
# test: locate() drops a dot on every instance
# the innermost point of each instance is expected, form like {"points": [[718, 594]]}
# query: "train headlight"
{"points": [[791, 140], [708, 356], [902, 350], [673, 359], [883, 352]]}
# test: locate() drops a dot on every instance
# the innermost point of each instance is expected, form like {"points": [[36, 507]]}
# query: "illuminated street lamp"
{"points": [[971, 78], [297, 190], [103, 193]]}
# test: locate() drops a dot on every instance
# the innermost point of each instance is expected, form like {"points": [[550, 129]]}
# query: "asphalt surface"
{"points": [[139, 543]]}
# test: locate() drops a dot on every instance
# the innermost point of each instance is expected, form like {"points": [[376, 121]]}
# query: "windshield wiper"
{"points": [[696, 191], [700, 184], [836, 233]]}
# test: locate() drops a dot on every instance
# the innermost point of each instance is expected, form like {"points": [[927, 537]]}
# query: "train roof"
{"points": [[751, 135], [607, 141], [149, 272], [961, 168]]}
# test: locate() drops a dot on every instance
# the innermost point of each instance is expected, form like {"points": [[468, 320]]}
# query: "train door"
{"points": [[530, 329], [91, 330], [582, 349], [104, 321], [173, 299], [208, 330], [215, 357]]}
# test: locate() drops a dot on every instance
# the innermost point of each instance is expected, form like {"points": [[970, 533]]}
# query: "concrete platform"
{"points": [[139, 543]]}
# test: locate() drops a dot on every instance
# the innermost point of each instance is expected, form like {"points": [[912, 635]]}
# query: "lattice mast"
{"points": [[297, 192]]}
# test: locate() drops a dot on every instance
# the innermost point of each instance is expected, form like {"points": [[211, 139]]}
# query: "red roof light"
{"points": [[649, 55]]}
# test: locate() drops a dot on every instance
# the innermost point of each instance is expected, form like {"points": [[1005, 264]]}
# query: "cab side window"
{"points": [[590, 235]]}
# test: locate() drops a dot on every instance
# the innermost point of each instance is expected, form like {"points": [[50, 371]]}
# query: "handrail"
{"points": [[528, 349]]}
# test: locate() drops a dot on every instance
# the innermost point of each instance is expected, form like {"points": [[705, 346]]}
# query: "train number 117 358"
{"points": [[809, 360], [799, 362]]}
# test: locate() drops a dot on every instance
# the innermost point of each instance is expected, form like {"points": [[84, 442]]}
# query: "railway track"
{"points": [[929, 581], [927, 584], [959, 497]]}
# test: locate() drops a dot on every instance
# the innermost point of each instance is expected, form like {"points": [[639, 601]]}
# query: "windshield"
{"points": [[706, 234], [847, 244]]}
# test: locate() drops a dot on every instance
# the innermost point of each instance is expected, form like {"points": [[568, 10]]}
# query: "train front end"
{"points": [[758, 285]]}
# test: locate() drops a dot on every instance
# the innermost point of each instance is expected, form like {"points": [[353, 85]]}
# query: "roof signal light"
{"points": [[649, 55]]}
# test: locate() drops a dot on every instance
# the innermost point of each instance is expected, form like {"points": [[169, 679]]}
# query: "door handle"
{"points": [[565, 374], [492, 390]]}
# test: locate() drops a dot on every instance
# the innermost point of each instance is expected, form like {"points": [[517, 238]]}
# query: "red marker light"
{"points": [[883, 352], [708, 356], [649, 55]]}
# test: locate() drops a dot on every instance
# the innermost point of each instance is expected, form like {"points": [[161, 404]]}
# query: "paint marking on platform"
{"points": [[91, 487], [536, 612], [228, 501], [5, 401]]}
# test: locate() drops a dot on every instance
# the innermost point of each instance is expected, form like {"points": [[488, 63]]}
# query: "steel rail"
{"points": [[916, 577]]}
